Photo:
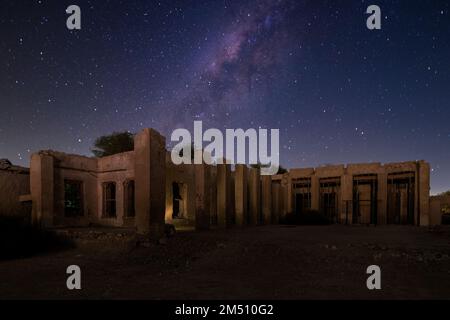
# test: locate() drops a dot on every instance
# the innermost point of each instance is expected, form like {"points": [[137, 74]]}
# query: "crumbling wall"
{"points": [[219, 194], [14, 182], [68, 167], [418, 170], [438, 206]]}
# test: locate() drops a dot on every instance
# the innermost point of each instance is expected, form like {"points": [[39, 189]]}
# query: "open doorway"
{"points": [[329, 196], [365, 195], [401, 190], [302, 195], [178, 200]]}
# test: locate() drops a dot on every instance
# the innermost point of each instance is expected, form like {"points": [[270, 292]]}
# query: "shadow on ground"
{"points": [[270, 262], [19, 239]]}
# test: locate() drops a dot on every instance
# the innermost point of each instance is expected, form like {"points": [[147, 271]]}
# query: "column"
{"points": [[42, 189], [240, 194], [202, 197], [266, 198], [150, 194], [223, 195], [254, 196], [276, 202]]}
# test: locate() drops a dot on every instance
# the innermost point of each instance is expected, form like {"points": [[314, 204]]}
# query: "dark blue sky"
{"points": [[338, 92]]}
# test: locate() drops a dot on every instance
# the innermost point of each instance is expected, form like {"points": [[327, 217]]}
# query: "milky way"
{"points": [[244, 59]]}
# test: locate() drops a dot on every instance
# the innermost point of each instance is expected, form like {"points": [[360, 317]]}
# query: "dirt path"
{"points": [[275, 262]]}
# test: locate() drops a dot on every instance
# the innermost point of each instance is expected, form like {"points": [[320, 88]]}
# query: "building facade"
{"points": [[144, 189], [373, 193]]}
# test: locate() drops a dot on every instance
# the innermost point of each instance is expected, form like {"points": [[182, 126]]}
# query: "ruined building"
{"points": [[144, 189]]}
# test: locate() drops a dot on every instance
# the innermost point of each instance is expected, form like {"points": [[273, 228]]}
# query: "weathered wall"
{"points": [[230, 197], [42, 187], [118, 168], [150, 179], [50, 170], [346, 174], [14, 182], [438, 206], [224, 194], [76, 168]]}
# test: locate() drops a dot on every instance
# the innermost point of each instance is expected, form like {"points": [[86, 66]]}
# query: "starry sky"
{"points": [[338, 92]]}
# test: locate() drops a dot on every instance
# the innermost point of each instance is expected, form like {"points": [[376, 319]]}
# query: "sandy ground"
{"points": [[273, 262]]}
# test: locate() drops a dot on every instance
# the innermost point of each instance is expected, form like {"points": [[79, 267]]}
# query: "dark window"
{"points": [[129, 199], [109, 200], [73, 198]]}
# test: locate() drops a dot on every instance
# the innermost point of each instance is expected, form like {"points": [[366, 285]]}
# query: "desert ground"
{"points": [[267, 262]]}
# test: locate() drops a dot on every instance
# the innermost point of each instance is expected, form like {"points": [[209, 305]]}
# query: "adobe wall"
{"points": [[346, 174], [150, 179], [49, 171], [118, 169], [14, 182], [438, 206], [217, 193]]}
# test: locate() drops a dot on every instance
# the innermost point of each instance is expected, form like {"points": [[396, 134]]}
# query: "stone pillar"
{"points": [[424, 193], [213, 195], [284, 200], [240, 194], [276, 202], [254, 196], [266, 198], [315, 189], [150, 175], [289, 196], [202, 196], [346, 208], [382, 193], [42, 189], [231, 200], [224, 212]]}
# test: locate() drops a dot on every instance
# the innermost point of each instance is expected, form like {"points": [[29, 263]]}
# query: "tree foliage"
{"points": [[446, 193], [281, 170], [114, 143]]}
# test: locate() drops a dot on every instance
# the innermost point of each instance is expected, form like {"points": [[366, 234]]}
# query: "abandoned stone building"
{"points": [[144, 189]]}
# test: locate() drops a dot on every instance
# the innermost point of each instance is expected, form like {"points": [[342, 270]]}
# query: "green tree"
{"points": [[114, 143]]}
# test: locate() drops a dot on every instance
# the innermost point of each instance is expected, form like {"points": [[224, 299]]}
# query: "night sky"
{"points": [[338, 92]]}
